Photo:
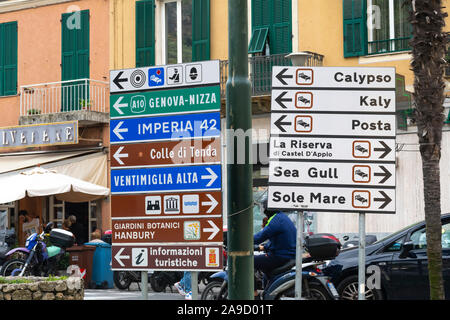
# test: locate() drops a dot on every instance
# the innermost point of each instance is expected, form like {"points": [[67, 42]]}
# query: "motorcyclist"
{"points": [[282, 234]]}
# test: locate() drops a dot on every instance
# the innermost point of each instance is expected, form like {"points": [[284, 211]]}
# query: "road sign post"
{"points": [[332, 142], [166, 183], [240, 193]]}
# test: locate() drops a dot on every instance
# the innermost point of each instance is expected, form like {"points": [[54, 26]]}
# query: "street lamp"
{"points": [[300, 58]]}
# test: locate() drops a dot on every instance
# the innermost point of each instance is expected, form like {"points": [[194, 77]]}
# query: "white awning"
{"points": [[74, 179], [11, 162]]}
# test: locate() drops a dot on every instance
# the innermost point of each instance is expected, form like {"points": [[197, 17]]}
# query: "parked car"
{"points": [[402, 261]]}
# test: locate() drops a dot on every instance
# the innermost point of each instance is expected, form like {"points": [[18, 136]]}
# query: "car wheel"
{"points": [[348, 290]]}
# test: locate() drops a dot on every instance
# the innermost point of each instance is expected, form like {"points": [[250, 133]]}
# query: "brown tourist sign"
{"points": [[166, 153], [168, 257], [167, 204], [181, 229]]}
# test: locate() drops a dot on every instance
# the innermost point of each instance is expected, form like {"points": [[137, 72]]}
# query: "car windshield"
{"points": [[392, 235]]}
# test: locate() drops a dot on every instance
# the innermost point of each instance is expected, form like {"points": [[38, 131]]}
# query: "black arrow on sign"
{"points": [[281, 76], [386, 174], [386, 149], [280, 99], [117, 80], [279, 123], [385, 199]]}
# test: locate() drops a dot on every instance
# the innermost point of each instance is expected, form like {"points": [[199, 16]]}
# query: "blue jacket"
{"points": [[282, 234]]}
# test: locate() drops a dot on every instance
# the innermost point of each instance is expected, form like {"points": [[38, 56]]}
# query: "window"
{"points": [[145, 33], [419, 238], [271, 23], [184, 29], [395, 246], [375, 26], [8, 58], [389, 29]]}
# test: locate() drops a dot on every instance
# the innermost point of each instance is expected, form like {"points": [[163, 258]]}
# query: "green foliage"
{"points": [[3, 280]]}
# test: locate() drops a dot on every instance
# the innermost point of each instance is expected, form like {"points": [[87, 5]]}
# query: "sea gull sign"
{"points": [[39, 135]]}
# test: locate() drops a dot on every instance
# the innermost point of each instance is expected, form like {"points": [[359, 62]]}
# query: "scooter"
{"points": [[159, 280], [280, 284], [38, 258]]}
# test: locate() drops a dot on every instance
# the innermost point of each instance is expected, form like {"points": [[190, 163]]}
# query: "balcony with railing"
{"points": [[388, 46], [84, 100], [260, 71]]}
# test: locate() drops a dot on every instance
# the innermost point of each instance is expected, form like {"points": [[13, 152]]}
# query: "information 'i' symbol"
{"points": [[139, 257]]}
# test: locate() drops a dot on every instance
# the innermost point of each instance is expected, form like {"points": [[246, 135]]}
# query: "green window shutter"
{"points": [[145, 33], [74, 59], [75, 46], [276, 15], [355, 31], [282, 27], [200, 30], [82, 52], [261, 13], [8, 58], [258, 40]]}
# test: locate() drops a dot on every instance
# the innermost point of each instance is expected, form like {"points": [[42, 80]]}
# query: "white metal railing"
{"points": [[63, 96]]}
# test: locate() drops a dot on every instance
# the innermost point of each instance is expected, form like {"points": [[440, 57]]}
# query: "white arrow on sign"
{"points": [[118, 130], [119, 257], [118, 155], [212, 177], [117, 105], [213, 203], [214, 230]]}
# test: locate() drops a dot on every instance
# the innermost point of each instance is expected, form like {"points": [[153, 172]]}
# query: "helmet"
{"points": [[267, 212]]}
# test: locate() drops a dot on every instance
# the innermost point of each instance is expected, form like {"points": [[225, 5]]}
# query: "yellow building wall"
{"points": [[123, 32], [320, 30], [219, 29]]}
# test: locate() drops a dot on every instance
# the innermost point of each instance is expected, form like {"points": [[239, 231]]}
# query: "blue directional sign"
{"points": [[156, 179], [173, 127]]}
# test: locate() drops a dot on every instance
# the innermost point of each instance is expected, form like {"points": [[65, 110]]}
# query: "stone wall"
{"points": [[40, 288]]}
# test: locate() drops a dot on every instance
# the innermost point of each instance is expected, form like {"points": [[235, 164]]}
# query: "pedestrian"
{"points": [[96, 236], [184, 286], [66, 224], [77, 230]]}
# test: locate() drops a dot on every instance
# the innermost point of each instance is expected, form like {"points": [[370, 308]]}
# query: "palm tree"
{"points": [[428, 51]]}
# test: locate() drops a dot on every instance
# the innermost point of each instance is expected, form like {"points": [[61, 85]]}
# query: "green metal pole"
{"points": [[239, 175]]}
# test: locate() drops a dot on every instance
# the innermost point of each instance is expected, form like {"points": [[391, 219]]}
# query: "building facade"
{"points": [[54, 69], [55, 57]]}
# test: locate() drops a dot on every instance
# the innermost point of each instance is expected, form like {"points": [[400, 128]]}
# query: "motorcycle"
{"points": [[38, 259], [8, 239], [280, 282], [124, 279], [159, 280]]}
